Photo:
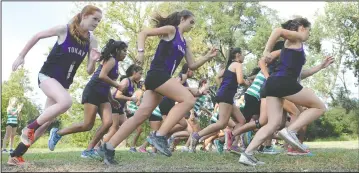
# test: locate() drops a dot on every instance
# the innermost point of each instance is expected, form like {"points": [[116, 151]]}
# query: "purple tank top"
{"points": [[290, 63], [169, 54], [127, 92], [99, 85], [64, 60], [229, 84]]}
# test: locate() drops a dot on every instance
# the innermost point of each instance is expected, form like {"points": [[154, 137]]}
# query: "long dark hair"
{"points": [[232, 55], [133, 69], [173, 19], [130, 70], [278, 45], [111, 49], [294, 24]]}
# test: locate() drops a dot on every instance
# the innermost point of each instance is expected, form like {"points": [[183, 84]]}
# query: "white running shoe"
{"points": [[291, 138]]}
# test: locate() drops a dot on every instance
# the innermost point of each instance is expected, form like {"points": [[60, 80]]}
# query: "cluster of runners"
{"points": [[274, 105]]}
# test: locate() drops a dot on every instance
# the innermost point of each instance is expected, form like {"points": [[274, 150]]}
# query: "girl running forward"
{"points": [[287, 106], [130, 81], [73, 43], [96, 97], [13, 115], [233, 75], [283, 84], [170, 51], [255, 100]]}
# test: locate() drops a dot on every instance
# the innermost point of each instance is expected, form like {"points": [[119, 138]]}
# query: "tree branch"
{"points": [[221, 49]]}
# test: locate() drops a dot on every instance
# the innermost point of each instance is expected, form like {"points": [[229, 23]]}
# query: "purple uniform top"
{"points": [[169, 54], [290, 63], [128, 92], [64, 60], [99, 85], [229, 84]]}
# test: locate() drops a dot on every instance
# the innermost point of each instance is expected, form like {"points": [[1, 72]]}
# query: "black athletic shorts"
{"points": [[91, 96], [117, 110], [128, 115], [263, 92], [281, 86], [12, 125], [120, 109], [252, 106], [156, 78], [226, 96], [166, 105], [155, 118], [224, 99]]}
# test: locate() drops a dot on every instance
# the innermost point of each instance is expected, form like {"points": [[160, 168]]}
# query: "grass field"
{"points": [[328, 156]]}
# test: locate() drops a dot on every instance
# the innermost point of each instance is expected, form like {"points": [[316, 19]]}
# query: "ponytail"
{"points": [[294, 24], [232, 55], [173, 19], [111, 49], [75, 29]]}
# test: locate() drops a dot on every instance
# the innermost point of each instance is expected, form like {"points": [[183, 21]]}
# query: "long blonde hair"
{"points": [[12, 103], [75, 30]]}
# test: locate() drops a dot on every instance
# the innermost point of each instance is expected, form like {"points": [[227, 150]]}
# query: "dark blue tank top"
{"points": [[169, 54], [128, 92], [272, 66], [290, 63], [229, 84], [99, 85], [64, 60]]}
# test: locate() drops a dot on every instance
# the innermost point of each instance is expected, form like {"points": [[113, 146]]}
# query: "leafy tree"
{"points": [[340, 24], [18, 85]]}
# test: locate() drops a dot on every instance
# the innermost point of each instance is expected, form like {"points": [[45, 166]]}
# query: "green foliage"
{"points": [[18, 86], [340, 23], [341, 120], [335, 123], [326, 76], [342, 100]]}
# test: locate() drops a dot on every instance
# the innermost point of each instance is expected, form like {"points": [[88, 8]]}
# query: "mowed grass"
{"points": [[328, 157]]}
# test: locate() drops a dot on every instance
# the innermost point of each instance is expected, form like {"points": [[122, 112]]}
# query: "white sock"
{"points": [[158, 134]]}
